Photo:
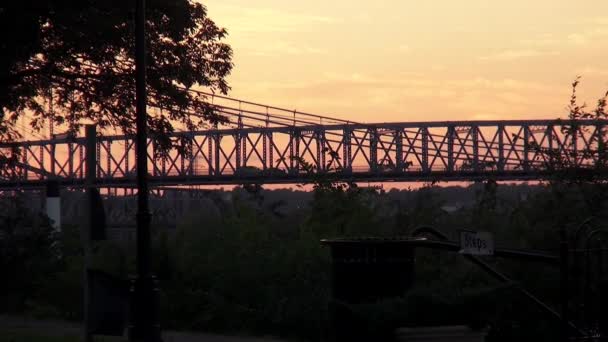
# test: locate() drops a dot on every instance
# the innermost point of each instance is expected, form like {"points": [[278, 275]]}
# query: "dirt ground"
{"points": [[61, 328]]}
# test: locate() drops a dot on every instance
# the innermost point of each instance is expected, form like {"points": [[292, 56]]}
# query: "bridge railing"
{"points": [[385, 151]]}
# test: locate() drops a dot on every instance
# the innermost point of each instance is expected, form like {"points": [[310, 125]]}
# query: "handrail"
{"points": [[496, 274]]}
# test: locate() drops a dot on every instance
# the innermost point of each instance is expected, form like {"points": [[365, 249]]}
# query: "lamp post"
{"points": [[143, 324]]}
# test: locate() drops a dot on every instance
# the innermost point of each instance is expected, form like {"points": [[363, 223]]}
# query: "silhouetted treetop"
{"points": [[73, 61]]}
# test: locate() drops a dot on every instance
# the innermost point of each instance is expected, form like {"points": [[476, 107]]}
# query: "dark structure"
{"points": [[586, 299], [369, 269], [108, 304], [273, 151], [98, 220], [144, 325], [363, 271]]}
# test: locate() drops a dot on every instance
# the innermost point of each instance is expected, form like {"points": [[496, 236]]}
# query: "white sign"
{"points": [[476, 243]]}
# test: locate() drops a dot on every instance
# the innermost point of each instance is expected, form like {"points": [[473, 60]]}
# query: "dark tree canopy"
{"points": [[72, 61]]}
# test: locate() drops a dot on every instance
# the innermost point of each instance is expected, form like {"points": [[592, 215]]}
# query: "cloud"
{"points": [[578, 38], [268, 32], [542, 40], [592, 29], [509, 55], [362, 18], [279, 48], [415, 80], [591, 70], [414, 97], [588, 36], [602, 21], [251, 20], [403, 48]]}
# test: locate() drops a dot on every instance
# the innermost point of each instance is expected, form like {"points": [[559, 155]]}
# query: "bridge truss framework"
{"points": [[386, 152]]}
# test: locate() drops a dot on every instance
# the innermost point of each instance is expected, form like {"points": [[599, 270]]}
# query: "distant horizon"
{"points": [[394, 185]]}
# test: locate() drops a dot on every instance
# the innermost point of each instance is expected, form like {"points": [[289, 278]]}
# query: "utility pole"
{"points": [[144, 326]]}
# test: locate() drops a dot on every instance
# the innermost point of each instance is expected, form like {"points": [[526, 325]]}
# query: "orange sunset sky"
{"points": [[402, 60]]}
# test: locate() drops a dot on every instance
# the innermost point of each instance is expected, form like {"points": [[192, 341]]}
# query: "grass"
{"points": [[30, 336], [39, 336]]}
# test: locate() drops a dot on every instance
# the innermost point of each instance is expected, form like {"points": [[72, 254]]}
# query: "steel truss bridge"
{"points": [[264, 144]]}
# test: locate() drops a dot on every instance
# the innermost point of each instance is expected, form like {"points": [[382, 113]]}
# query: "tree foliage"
{"points": [[28, 253], [233, 265], [585, 155], [72, 61]]}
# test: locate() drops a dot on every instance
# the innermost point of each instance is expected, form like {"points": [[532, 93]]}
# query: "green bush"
{"points": [[240, 274]]}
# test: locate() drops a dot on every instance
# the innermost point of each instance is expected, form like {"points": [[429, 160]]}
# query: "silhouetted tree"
{"points": [[579, 165], [72, 61]]}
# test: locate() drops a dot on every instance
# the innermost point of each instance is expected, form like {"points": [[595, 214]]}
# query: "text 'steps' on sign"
{"points": [[476, 243]]}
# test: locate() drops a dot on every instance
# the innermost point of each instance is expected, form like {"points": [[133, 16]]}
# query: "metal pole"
{"points": [[564, 283], [90, 180], [144, 323], [566, 325], [143, 214]]}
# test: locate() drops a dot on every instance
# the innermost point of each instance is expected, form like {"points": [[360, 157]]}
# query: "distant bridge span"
{"points": [[264, 149]]}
